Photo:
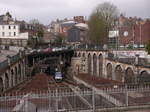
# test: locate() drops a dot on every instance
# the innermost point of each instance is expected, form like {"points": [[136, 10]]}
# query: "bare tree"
{"points": [[107, 12], [101, 21], [34, 22]]}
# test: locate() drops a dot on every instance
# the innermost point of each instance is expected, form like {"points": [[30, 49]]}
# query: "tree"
{"points": [[96, 29], [101, 21], [31, 42], [39, 30], [8, 14], [60, 39], [148, 47], [34, 22]]}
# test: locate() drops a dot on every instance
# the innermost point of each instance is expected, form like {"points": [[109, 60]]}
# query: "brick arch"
{"points": [[109, 71], [6, 81], [129, 76], [89, 63], [1, 85], [94, 64], [144, 77], [100, 57], [119, 73]]}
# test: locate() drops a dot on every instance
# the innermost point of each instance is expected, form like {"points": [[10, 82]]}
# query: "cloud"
{"points": [[47, 10]]}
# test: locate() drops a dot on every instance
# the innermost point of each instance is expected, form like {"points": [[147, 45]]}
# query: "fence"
{"points": [[67, 99]]}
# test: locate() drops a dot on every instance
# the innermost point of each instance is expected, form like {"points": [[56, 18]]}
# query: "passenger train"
{"points": [[58, 76]]}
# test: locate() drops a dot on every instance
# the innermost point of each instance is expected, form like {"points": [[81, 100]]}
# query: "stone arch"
{"points": [[23, 69], [12, 77], [95, 64], [6, 81], [75, 54], [119, 73], [109, 71], [100, 65], [129, 76], [79, 55], [83, 54], [19, 72], [144, 77], [16, 75], [89, 63], [1, 85]]}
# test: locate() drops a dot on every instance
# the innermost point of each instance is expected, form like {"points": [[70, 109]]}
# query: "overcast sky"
{"points": [[47, 10]]}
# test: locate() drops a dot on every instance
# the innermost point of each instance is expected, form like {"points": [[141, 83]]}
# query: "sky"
{"points": [[47, 10]]}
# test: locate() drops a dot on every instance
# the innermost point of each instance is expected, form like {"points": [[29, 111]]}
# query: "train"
{"points": [[54, 68], [58, 76], [55, 73]]}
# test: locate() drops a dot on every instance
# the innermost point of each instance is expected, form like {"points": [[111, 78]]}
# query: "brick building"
{"points": [[138, 34], [132, 31]]}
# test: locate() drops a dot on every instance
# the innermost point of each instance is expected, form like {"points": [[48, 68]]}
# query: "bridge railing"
{"points": [[143, 62], [90, 47]]}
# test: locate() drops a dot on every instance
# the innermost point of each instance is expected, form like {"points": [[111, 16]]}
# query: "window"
{"points": [[3, 34], [14, 33], [14, 27], [9, 27], [9, 33]]}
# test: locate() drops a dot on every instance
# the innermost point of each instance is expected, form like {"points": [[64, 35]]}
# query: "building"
{"points": [[10, 34], [137, 34], [78, 33], [14, 32], [130, 32], [65, 26], [79, 19], [48, 36]]}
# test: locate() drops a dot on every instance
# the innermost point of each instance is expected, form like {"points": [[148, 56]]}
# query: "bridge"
{"points": [[101, 64]]}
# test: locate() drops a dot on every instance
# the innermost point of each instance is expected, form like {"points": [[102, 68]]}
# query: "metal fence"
{"points": [[77, 99]]}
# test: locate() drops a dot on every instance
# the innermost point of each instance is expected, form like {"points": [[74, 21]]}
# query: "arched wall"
{"points": [[94, 65], [89, 63], [119, 73], [6, 80], [109, 71], [1, 85], [143, 77], [101, 65], [16, 75], [129, 76]]}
